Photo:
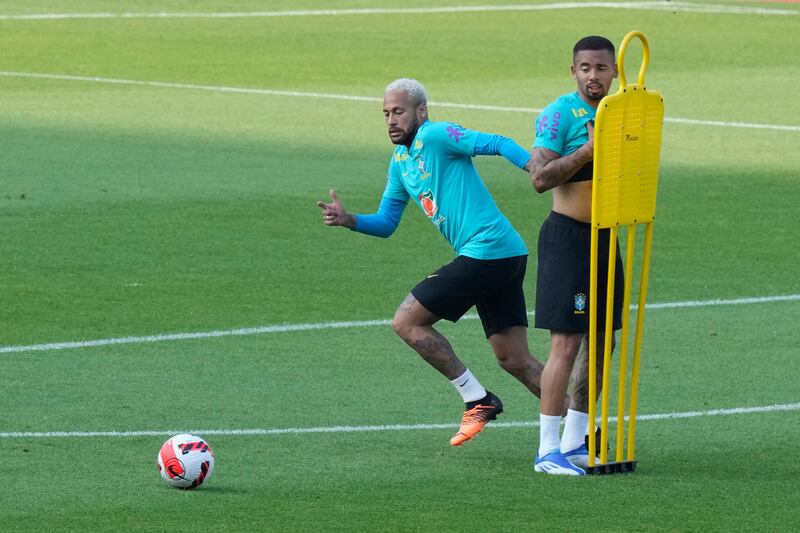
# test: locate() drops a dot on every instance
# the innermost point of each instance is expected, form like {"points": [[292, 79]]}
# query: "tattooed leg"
{"points": [[580, 374], [414, 324]]}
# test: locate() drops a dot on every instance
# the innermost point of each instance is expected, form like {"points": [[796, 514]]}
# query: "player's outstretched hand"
{"points": [[334, 214]]}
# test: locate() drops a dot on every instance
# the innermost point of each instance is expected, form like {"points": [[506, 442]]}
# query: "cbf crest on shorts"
{"points": [[580, 303]]}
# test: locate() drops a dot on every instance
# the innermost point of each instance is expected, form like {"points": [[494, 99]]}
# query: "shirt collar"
{"points": [[416, 144]]}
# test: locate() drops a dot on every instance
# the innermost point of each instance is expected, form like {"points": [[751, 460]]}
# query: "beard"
{"points": [[407, 135], [595, 96]]}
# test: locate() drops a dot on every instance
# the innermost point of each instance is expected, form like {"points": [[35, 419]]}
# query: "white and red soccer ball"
{"points": [[185, 461]]}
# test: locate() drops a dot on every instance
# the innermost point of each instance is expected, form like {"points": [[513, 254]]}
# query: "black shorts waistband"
{"points": [[489, 261], [558, 218]]}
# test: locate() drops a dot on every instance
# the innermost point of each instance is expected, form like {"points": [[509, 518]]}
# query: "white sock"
{"points": [[575, 426], [549, 427], [469, 387]]}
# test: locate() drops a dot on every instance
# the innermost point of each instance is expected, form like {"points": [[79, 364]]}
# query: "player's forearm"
{"points": [[550, 174], [374, 224], [380, 224], [490, 144]]}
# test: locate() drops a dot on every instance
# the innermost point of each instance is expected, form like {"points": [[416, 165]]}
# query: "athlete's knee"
{"points": [[518, 365], [514, 359], [509, 360], [510, 344], [565, 346], [407, 320], [401, 325], [403, 322]]}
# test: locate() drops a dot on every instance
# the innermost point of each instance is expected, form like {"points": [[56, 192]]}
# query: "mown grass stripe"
{"points": [[286, 328], [356, 98], [675, 7], [377, 428]]}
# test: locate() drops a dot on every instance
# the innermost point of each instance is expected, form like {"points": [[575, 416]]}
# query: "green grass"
{"points": [[138, 210], [379, 482]]}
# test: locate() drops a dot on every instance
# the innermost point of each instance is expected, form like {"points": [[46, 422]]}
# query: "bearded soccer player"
{"points": [[432, 166], [561, 160]]}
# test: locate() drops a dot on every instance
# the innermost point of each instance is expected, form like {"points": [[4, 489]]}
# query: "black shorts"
{"points": [[562, 282], [493, 286]]}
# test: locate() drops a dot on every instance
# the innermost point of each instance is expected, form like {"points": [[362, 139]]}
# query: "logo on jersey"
{"points": [[578, 113], [456, 132], [423, 171], [428, 203], [545, 125], [580, 303], [418, 145]]}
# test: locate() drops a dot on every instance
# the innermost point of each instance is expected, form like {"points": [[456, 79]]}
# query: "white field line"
{"points": [[286, 328], [675, 7], [377, 428], [347, 97]]}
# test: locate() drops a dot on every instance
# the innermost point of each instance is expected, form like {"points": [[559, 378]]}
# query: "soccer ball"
{"points": [[185, 461]]}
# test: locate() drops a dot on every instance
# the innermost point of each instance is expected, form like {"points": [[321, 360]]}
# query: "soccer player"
{"points": [[561, 160], [432, 166]]}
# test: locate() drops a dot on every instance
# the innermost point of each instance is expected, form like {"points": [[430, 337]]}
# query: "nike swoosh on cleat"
{"points": [[433, 276], [467, 381]]}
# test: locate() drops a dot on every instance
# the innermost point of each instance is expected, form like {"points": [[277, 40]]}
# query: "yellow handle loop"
{"points": [[621, 59]]}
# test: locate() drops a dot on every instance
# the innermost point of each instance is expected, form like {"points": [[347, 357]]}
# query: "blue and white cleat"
{"points": [[556, 464], [580, 456]]}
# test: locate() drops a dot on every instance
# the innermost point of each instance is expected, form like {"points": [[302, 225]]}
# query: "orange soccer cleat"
{"points": [[476, 416]]}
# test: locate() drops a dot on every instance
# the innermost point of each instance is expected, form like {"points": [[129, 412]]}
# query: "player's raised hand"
{"points": [[334, 213]]}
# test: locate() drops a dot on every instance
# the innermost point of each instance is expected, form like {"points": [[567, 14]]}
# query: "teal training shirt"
{"points": [[561, 126], [438, 174]]}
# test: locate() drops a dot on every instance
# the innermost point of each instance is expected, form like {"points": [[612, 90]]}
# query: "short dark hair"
{"points": [[593, 42]]}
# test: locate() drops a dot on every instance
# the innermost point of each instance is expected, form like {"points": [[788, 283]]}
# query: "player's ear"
{"points": [[616, 72], [422, 112], [572, 69]]}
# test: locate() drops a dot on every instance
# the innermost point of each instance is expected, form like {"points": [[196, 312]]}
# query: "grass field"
{"points": [[159, 176]]}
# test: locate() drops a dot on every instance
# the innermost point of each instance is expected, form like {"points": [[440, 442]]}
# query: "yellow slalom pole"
{"points": [[592, 345], [637, 350], [623, 344], [609, 334]]}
